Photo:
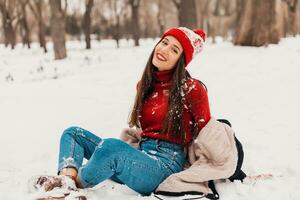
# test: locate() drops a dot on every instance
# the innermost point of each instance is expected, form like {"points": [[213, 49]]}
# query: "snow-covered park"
{"points": [[256, 89]]}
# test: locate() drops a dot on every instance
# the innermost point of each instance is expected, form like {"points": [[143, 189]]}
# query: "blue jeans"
{"points": [[141, 169]]}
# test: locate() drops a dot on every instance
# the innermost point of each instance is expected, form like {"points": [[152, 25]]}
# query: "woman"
{"points": [[170, 108]]}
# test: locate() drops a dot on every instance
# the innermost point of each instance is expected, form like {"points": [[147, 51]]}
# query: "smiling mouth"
{"points": [[160, 57]]}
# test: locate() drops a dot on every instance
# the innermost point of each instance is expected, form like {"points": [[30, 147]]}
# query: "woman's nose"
{"points": [[165, 49]]}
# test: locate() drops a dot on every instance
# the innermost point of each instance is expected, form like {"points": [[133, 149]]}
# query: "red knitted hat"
{"points": [[190, 40]]}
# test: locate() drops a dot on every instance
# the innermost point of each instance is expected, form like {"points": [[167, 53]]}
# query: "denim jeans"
{"points": [[141, 169]]}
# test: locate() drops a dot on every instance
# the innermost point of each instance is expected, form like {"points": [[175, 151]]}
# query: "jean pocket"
{"points": [[174, 159], [171, 154]]}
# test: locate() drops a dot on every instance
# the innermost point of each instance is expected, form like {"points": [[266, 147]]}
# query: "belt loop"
{"points": [[141, 141], [158, 142]]}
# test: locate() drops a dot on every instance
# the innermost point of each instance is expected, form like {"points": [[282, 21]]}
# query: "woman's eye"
{"points": [[175, 51], [165, 43]]}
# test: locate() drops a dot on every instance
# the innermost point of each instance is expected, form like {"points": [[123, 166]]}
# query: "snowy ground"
{"points": [[257, 89]]}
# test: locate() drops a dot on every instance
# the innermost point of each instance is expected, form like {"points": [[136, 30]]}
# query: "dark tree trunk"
{"points": [[41, 24], [135, 21], [58, 29], [86, 24], [36, 9], [202, 13], [25, 32], [7, 20], [245, 11], [116, 27], [116, 31], [160, 18], [294, 8], [42, 38], [187, 13], [258, 23]]}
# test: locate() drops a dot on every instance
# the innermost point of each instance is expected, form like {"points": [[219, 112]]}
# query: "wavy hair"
{"points": [[173, 122]]}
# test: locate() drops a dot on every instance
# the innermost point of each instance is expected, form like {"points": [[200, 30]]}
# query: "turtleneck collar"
{"points": [[164, 76]]}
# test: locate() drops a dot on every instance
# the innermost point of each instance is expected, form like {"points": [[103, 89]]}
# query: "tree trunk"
{"points": [[36, 9], [201, 12], [87, 22], [296, 20], [212, 27], [245, 19], [4, 21], [25, 32], [58, 29], [259, 24], [160, 16], [116, 24], [9, 31], [187, 14], [41, 24], [116, 31], [285, 20], [227, 22], [135, 21], [279, 17]]}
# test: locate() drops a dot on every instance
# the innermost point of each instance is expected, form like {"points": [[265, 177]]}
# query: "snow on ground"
{"points": [[257, 89]]}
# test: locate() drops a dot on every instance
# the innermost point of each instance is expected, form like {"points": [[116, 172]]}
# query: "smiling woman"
{"points": [[167, 53], [170, 109], [182, 101]]}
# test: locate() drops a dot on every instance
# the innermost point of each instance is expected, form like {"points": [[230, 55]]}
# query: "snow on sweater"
{"points": [[196, 112]]}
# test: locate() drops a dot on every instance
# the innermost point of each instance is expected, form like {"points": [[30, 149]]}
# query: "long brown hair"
{"points": [[173, 122]]}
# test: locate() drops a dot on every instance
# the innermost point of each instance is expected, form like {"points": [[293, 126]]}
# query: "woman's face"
{"points": [[167, 53]]}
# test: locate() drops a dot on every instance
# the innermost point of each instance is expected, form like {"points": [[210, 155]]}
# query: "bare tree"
{"points": [[213, 18], [258, 23], [228, 21], [36, 7], [294, 16], [148, 19], [297, 17], [186, 13], [118, 8], [100, 22], [166, 15], [7, 9], [58, 28], [24, 27], [161, 17], [134, 4], [86, 23], [202, 13]]}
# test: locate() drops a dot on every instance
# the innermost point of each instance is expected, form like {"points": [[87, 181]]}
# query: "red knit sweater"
{"points": [[196, 112]]}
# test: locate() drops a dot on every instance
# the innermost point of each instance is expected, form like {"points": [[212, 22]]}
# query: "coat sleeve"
{"points": [[216, 154], [198, 104]]}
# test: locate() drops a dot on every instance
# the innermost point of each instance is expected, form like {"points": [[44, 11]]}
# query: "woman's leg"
{"points": [[113, 157], [110, 158], [75, 144]]}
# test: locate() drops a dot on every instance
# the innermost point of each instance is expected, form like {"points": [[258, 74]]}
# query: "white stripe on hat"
{"points": [[195, 39]]}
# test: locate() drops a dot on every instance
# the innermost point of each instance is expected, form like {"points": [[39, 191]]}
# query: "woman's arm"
{"points": [[198, 103]]}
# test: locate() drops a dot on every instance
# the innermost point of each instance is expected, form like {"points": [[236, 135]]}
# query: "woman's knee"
{"points": [[114, 143], [70, 132], [111, 146]]}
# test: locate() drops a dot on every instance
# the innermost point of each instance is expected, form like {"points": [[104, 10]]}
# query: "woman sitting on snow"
{"points": [[170, 109]]}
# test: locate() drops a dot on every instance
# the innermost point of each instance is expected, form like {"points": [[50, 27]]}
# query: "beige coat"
{"points": [[212, 155]]}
